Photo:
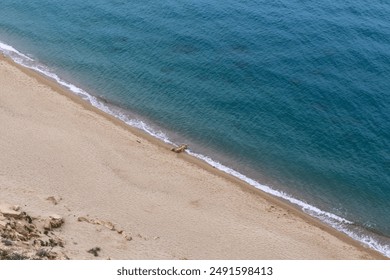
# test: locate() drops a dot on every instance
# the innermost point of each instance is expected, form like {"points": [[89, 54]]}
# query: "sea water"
{"points": [[291, 96]]}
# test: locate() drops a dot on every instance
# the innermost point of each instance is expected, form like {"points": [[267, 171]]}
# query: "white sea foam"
{"points": [[333, 220], [7, 49]]}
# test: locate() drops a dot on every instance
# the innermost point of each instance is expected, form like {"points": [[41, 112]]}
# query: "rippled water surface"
{"points": [[292, 94]]}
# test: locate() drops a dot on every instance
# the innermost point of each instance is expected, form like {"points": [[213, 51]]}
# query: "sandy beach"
{"points": [[128, 194]]}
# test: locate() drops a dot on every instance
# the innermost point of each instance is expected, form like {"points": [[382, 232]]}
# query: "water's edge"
{"points": [[347, 227]]}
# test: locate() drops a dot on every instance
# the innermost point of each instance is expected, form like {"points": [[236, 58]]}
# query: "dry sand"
{"points": [[116, 179]]}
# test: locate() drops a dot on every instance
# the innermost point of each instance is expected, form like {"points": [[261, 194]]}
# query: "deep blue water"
{"points": [[293, 94]]}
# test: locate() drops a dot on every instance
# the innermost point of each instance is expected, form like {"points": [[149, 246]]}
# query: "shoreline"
{"points": [[165, 148]]}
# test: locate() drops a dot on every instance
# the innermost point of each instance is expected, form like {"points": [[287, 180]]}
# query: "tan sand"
{"points": [[173, 207]]}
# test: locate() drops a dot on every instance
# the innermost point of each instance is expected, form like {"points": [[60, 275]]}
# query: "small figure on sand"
{"points": [[180, 149]]}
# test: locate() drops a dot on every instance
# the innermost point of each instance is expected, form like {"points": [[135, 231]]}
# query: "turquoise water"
{"points": [[293, 95]]}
